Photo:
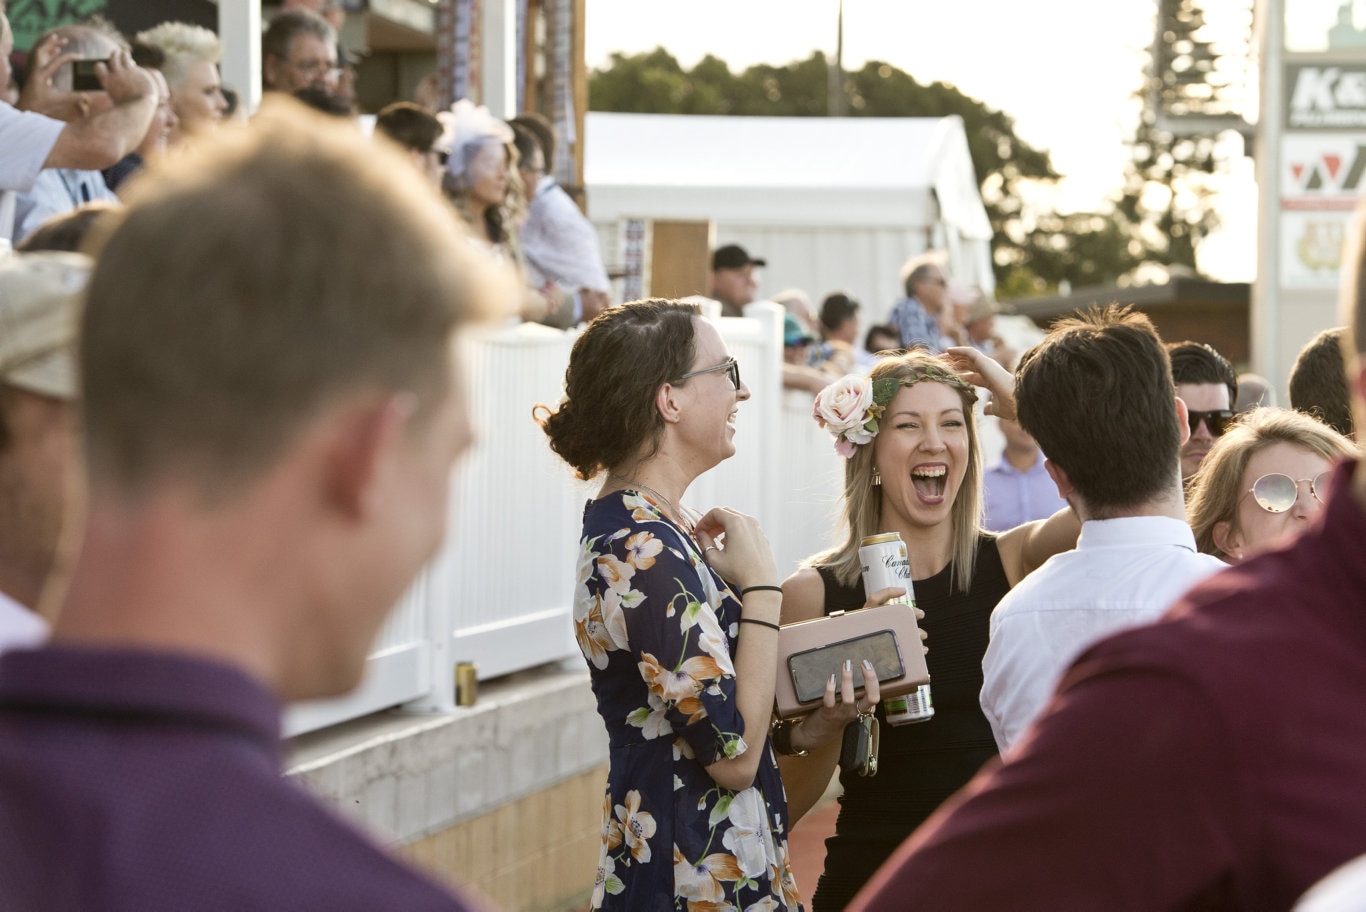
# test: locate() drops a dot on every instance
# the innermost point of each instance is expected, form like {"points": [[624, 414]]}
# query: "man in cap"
{"points": [[732, 278], [38, 303]]}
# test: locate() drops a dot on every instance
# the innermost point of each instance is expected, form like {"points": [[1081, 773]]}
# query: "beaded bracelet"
{"points": [[769, 624]]}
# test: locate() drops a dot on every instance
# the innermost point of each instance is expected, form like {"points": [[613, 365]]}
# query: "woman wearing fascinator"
{"points": [[908, 436], [481, 181]]}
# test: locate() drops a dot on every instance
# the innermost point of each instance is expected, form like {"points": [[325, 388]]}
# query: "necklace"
{"points": [[682, 520]]}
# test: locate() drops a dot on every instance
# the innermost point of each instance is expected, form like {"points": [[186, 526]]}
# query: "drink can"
{"points": [[466, 683], [886, 564]]}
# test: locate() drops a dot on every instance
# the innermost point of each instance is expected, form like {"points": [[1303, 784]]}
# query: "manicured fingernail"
{"points": [[867, 664], [832, 680], [848, 664]]}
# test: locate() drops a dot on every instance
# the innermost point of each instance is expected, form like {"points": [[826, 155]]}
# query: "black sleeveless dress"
{"points": [[918, 765]]}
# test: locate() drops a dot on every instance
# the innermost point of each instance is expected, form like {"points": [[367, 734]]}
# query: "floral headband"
{"points": [[850, 407]]}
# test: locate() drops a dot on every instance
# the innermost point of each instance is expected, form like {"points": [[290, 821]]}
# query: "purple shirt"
{"points": [[1212, 760], [147, 781], [1014, 497]]}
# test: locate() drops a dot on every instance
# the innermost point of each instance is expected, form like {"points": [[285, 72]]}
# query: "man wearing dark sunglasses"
{"points": [[1211, 760], [1206, 382]]}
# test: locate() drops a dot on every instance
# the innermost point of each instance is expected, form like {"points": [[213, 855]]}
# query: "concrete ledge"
{"points": [[405, 776]]}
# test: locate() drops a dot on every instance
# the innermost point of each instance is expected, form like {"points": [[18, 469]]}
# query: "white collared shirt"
{"points": [[20, 628], [1124, 573]]}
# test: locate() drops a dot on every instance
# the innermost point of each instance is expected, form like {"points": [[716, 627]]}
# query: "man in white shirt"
{"points": [[1115, 455], [38, 314]]}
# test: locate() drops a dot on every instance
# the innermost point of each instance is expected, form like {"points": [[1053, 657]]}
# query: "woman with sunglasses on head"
{"points": [[909, 435], [677, 614], [1262, 482]]}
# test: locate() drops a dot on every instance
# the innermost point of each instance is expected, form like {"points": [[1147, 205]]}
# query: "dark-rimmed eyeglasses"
{"points": [[1276, 492], [1218, 421], [730, 365]]}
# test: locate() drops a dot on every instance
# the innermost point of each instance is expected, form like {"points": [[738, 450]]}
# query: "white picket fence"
{"points": [[499, 593]]}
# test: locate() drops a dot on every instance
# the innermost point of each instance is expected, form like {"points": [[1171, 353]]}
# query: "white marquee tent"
{"points": [[830, 203]]}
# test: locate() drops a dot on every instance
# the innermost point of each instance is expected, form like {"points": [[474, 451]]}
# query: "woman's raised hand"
{"points": [[980, 369], [737, 548]]}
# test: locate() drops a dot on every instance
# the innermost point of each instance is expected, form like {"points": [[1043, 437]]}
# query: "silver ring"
{"points": [[709, 548], [861, 711]]}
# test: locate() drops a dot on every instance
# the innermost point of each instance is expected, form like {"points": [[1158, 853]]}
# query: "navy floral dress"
{"points": [[659, 629]]}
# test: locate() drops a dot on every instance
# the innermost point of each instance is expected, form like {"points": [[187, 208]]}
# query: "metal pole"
{"points": [[836, 102]]}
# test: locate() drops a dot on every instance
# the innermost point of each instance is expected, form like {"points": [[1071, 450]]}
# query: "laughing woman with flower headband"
{"points": [[677, 616], [913, 466]]}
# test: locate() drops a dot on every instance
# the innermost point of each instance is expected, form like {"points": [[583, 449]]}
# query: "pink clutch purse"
{"points": [[809, 652]]}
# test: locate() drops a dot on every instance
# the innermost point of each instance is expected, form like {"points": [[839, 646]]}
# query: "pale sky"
{"points": [[1064, 70]]}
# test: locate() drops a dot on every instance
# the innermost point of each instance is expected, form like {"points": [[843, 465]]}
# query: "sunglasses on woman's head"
{"points": [[1217, 421], [1276, 492]]}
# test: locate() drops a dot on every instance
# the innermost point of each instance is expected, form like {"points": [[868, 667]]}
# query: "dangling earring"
{"points": [[877, 477]]}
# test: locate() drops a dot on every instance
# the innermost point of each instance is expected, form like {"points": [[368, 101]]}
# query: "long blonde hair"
{"points": [[862, 512]]}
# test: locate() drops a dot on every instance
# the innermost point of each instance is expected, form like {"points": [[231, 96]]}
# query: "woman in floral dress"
{"points": [[676, 614]]}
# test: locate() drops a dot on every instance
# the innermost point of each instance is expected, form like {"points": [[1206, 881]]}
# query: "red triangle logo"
{"points": [[1333, 162], [1297, 170]]}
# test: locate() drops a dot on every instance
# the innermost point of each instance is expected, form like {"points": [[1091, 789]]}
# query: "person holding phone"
{"points": [[912, 466], [676, 613]]}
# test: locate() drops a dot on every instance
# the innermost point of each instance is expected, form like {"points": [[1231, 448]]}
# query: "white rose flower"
{"points": [[843, 405]]}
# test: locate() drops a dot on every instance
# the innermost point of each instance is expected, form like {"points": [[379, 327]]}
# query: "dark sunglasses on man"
{"points": [[1218, 421]]}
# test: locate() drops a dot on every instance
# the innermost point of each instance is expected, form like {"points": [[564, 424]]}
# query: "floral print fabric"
{"points": [[658, 630]]}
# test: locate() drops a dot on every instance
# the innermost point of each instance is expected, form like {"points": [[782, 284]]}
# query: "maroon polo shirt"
{"points": [[139, 782], [1213, 760]]}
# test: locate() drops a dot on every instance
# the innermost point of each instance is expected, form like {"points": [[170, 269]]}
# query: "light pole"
{"points": [[835, 90]]}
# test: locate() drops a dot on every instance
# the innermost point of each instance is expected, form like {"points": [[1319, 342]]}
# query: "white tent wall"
{"points": [[830, 203]]}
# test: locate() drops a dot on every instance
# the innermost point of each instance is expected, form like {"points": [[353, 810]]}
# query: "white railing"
{"points": [[499, 592]]}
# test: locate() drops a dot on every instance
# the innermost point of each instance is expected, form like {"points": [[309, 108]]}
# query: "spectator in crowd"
{"points": [[797, 341], [1018, 488], [68, 231], [732, 278], [917, 472], [303, 400], [558, 241], [418, 132], [1208, 386], [1136, 554], [158, 135], [1318, 381], [59, 190], [798, 303], [299, 49], [880, 338], [1254, 391], [839, 334], [32, 141], [480, 180], [335, 13], [679, 631], [917, 316], [798, 373], [38, 309], [1263, 482], [1211, 760], [979, 329], [190, 66]]}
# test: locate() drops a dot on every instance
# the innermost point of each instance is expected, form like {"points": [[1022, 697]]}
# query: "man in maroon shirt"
{"points": [[1213, 760], [270, 414]]}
